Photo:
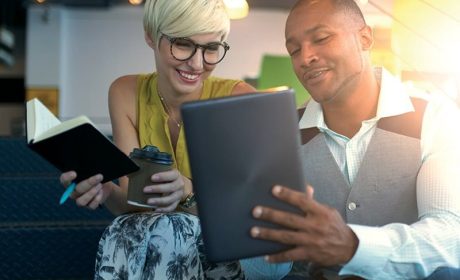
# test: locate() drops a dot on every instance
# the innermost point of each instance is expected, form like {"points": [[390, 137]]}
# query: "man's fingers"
{"points": [[287, 237], [301, 200], [310, 192], [302, 244], [286, 219]]}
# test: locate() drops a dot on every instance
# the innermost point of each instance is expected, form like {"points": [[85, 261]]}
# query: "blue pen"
{"points": [[67, 193]]}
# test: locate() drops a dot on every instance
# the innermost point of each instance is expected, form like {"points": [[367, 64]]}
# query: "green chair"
{"points": [[276, 71]]}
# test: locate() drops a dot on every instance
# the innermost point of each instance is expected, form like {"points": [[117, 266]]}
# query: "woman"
{"points": [[188, 41]]}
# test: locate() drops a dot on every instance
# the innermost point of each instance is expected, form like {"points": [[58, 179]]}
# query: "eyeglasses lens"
{"points": [[183, 49]]}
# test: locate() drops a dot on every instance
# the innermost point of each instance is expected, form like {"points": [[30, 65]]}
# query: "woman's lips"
{"points": [[192, 77]]}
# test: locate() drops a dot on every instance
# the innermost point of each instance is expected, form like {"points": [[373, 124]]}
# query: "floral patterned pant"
{"points": [[158, 246]]}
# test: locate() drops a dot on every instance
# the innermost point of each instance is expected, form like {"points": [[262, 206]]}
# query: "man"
{"points": [[384, 166]]}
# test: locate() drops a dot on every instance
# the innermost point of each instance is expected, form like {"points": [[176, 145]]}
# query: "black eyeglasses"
{"points": [[184, 48]]}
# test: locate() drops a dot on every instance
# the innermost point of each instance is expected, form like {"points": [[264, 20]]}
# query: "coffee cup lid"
{"points": [[152, 153]]}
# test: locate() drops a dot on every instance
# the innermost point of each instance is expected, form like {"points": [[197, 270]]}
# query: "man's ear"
{"points": [[366, 37], [149, 41]]}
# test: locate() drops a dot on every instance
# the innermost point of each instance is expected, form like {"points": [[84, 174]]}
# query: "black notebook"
{"points": [[75, 144], [239, 148]]}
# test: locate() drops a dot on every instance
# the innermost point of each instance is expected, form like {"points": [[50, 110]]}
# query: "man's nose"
{"points": [[308, 55]]}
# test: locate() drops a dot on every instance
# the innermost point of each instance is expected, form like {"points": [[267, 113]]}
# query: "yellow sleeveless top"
{"points": [[152, 118]]}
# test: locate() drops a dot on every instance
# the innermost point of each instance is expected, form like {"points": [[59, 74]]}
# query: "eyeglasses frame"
{"points": [[203, 48]]}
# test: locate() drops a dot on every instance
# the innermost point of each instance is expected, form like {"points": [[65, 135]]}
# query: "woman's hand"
{"points": [[88, 193], [170, 187]]}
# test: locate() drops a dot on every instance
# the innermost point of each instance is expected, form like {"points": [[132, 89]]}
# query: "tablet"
{"points": [[239, 148]]}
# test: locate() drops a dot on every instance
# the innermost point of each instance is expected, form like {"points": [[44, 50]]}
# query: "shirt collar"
{"points": [[393, 100]]}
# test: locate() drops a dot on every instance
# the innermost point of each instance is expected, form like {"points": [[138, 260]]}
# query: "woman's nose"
{"points": [[196, 61]]}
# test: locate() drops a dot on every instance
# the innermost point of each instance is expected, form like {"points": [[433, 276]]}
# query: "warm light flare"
{"points": [[428, 42], [429, 39], [237, 9]]}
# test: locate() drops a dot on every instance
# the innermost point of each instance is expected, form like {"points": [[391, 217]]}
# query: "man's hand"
{"points": [[319, 235]]}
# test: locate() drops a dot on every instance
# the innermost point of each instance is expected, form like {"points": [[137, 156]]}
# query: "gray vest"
{"points": [[384, 190]]}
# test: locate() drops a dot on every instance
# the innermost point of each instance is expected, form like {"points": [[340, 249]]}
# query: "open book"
{"points": [[75, 144]]}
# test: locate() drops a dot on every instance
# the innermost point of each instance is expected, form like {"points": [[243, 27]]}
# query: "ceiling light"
{"points": [[135, 2], [237, 9]]}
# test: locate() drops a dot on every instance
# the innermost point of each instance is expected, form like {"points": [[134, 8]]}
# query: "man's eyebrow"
{"points": [[310, 31]]}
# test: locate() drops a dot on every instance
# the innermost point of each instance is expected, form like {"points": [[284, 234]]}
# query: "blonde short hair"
{"points": [[185, 18]]}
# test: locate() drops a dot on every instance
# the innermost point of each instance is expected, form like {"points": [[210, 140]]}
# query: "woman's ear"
{"points": [[366, 37], [149, 41]]}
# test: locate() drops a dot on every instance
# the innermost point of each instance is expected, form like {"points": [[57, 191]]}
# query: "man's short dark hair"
{"points": [[350, 8]]}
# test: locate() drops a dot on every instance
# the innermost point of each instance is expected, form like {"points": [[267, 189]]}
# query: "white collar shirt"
{"points": [[400, 251]]}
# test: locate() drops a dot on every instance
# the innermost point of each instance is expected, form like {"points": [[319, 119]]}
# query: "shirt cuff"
{"points": [[373, 251]]}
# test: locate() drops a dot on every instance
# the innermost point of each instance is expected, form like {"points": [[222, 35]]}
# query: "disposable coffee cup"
{"points": [[150, 161]]}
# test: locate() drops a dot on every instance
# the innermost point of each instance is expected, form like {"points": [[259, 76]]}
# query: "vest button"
{"points": [[352, 206]]}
